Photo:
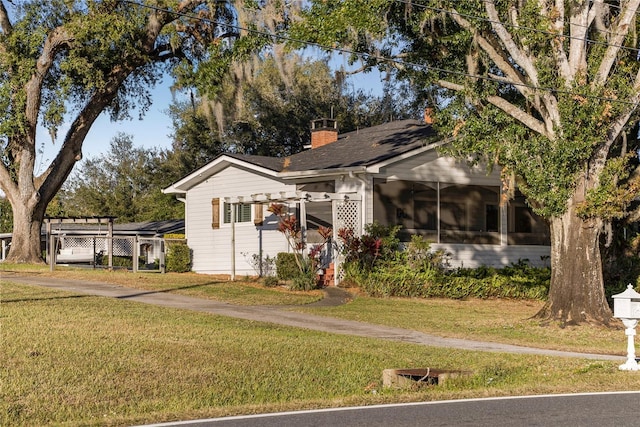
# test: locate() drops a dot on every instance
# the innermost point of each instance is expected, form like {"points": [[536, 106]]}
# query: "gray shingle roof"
{"points": [[272, 163], [363, 147]]}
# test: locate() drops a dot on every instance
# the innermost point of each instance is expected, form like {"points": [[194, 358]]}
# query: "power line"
{"points": [[518, 27], [379, 58]]}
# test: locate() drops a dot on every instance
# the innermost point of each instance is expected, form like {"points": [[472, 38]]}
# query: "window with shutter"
{"points": [[243, 213]]}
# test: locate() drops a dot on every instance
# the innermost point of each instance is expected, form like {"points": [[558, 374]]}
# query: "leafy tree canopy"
{"points": [[125, 183], [546, 90], [514, 82], [267, 109], [71, 60]]}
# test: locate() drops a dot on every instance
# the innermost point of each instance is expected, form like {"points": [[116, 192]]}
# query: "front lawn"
{"points": [[83, 360]]}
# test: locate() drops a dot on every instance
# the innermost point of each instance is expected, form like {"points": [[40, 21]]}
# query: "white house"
{"points": [[390, 174]]}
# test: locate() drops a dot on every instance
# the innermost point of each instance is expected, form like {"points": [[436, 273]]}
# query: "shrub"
{"points": [[117, 261], [305, 281], [400, 280], [420, 256], [304, 277], [263, 266], [286, 266], [270, 281], [379, 244], [178, 258]]}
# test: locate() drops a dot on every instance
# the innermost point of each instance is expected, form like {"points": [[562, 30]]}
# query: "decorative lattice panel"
{"points": [[122, 246], [77, 242], [346, 214]]}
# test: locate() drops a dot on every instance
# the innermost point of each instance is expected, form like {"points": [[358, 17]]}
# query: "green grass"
{"points": [[505, 321], [80, 360], [245, 291]]}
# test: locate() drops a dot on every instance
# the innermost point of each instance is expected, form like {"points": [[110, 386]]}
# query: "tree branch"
{"points": [[8, 185], [55, 42], [560, 54], [516, 54], [578, 19], [615, 44], [526, 119], [52, 178], [544, 103], [509, 108], [5, 23]]}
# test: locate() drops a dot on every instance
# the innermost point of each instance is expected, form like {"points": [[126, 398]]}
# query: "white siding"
{"points": [[212, 249], [473, 256], [429, 167]]}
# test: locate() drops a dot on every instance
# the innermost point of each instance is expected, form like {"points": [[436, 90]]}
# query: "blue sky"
{"points": [[155, 128]]}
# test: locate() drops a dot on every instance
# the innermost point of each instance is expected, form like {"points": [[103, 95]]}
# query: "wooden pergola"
{"points": [[298, 197], [51, 247]]}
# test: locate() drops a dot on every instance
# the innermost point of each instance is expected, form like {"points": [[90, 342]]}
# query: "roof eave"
{"points": [[211, 169], [321, 172], [375, 168]]}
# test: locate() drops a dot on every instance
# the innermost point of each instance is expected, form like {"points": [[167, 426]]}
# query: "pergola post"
{"points": [[110, 243]]}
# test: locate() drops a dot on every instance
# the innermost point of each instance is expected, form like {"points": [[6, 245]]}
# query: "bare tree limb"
{"points": [[5, 23], [578, 19], [517, 55], [544, 102], [557, 27], [509, 108], [615, 44], [55, 42], [524, 118]]}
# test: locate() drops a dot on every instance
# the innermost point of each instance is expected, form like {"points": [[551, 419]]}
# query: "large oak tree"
{"points": [[71, 60], [546, 89]]}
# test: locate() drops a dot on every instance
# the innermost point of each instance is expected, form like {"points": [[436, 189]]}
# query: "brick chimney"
{"points": [[323, 132]]}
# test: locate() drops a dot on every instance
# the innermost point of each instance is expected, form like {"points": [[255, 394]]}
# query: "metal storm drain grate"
{"points": [[401, 378]]}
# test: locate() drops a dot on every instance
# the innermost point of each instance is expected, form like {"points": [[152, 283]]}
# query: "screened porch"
{"points": [[457, 214]]}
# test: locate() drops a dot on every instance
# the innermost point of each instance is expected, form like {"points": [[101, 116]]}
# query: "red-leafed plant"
{"points": [[362, 254], [307, 266]]}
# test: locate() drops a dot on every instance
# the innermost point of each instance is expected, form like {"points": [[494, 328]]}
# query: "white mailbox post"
{"points": [[626, 307]]}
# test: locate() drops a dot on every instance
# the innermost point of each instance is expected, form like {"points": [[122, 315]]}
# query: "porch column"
{"points": [[51, 247], [234, 206], [303, 224], [504, 215], [438, 211], [110, 243]]}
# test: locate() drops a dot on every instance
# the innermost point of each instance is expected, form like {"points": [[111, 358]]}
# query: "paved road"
{"points": [[585, 410], [283, 317], [598, 410]]}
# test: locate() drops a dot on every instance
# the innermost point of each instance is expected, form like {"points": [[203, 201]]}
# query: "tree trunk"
{"points": [[577, 293], [26, 238]]}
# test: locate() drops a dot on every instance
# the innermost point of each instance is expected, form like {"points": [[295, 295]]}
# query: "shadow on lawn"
{"points": [[4, 301], [165, 290]]}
